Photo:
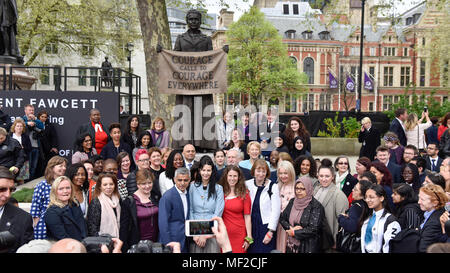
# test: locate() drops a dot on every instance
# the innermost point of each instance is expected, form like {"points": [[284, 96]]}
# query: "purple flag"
{"points": [[333, 81], [350, 85], [368, 83]]}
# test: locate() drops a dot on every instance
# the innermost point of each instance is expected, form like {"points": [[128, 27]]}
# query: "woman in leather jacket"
{"points": [[302, 219]]}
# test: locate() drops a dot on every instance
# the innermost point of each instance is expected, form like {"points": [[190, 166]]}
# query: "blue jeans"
{"points": [[34, 158]]}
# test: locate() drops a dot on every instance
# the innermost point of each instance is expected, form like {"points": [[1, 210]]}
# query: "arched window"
{"points": [[293, 60], [308, 69], [290, 34]]}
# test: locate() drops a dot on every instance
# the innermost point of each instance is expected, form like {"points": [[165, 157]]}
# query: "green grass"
{"points": [[24, 195]]}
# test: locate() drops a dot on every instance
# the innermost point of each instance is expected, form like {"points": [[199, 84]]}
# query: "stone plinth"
{"points": [[22, 79]]}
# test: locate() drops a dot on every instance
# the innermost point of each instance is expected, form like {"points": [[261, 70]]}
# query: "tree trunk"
{"points": [[155, 30]]}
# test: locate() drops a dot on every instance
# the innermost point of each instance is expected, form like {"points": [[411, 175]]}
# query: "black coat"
{"points": [[129, 227], [26, 145], [438, 163], [350, 182], [110, 151], [409, 215], [11, 153], [311, 221], [371, 140], [432, 231], [19, 223], [62, 223], [395, 171], [397, 128], [49, 140], [132, 185]]}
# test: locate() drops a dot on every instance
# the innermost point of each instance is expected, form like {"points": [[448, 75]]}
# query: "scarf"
{"points": [[298, 208], [160, 134], [296, 153], [340, 179], [109, 223]]}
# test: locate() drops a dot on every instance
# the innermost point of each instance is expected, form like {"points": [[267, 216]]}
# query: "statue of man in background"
{"points": [[107, 73], [8, 28]]}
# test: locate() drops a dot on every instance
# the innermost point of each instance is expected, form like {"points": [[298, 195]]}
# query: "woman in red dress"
{"points": [[237, 212]]}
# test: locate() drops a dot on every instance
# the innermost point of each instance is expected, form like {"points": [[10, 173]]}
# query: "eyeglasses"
{"points": [[143, 160], [342, 163], [4, 189]]}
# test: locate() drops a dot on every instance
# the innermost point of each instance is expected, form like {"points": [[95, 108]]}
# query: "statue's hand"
{"points": [[226, 48], [159, 48]]}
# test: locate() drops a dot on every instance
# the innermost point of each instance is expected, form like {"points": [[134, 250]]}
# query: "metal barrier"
{"points": [[100, 80]]}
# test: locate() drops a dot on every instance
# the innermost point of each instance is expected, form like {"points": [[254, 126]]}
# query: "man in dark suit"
{"points": [[395, 170], [397, 125], [433, 160], [174, 210], [13, 219], [98, 132]]}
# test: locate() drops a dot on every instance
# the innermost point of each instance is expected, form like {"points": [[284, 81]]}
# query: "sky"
{"points": [[239, 7]]}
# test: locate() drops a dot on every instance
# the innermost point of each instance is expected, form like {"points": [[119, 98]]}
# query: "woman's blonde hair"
{"points": [[253, 143], [18, 120], [290, 170], [158, 119], [365, 120], [436, 193], [411, 122], [54, 201]]}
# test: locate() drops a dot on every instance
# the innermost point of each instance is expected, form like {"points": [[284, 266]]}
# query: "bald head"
{"points": [[67, 246], [189, 152]]}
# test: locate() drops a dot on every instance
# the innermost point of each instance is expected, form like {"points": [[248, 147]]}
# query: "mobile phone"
{"points": [[447, 207], [199, 227], [425, 109]]}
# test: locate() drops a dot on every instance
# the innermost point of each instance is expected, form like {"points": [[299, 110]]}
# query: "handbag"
{"points": [[348, 242]]}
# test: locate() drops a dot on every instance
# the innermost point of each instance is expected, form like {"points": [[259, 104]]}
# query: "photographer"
{"points": [[15, 223]]}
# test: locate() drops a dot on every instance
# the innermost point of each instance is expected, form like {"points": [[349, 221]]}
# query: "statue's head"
{"points": [[194, 19], [106, 58]]}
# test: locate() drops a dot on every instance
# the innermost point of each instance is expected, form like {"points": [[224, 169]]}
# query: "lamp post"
{"points": [[130, 48], [361, 51]]}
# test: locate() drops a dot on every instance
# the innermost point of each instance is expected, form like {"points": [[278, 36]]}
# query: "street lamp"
{"points": [[130, 48], [361, 51]]}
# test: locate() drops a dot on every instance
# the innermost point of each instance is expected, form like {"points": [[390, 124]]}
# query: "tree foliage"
{"points": [[106, 25], [258, 60]]}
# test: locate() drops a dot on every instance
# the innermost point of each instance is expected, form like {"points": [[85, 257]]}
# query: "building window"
{"points": [[389, 51], [324, 35], [295, 9], [45, 76], [51, 48], [293, 60], [388, 76], [409, 21], [444, 99], [405, 52], [372, 71], [404, 75], [388, 100], [290, 34], [93, 73], [371, 106], [285, 9], [422, 72], [308, 102], [354, 70], [373, 51], [424, 41], [445, 74], [308, 69], [325, 102], [290, 103], [307, 35], [82, 76], [87, 50]]}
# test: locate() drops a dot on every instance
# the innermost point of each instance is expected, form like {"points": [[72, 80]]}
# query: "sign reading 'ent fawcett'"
{"points": [[192, 73]]}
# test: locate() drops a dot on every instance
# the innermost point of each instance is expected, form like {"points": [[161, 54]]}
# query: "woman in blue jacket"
{"points": [[64, 218]]}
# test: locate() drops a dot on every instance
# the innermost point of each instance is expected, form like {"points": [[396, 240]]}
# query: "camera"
{"points": [[94, 244], [425, 109], [147, 246], [7, 240]]}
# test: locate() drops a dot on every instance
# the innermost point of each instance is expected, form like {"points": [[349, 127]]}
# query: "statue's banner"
{"points": [[192, 73]]}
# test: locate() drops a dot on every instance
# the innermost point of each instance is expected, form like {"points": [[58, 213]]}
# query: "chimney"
{"points": [[225, 18]]}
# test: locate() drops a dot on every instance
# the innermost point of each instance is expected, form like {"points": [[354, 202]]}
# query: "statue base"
{"points": [[22, 79]]}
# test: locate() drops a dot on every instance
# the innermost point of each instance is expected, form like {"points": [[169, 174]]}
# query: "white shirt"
{"points": [[2, 208], [186, 163], [184, 200], [18, 138], [378, 234], [401, 123]]}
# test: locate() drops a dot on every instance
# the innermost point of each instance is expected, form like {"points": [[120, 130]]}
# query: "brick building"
{"points": [[395, 55]]}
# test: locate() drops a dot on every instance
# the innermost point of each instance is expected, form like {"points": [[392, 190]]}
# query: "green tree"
{"points": [[258, 60], [76, 26]]}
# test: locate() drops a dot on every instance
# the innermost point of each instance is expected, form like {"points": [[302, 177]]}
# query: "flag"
{"points": [[368, 83], [333, 81], [350, 85]]}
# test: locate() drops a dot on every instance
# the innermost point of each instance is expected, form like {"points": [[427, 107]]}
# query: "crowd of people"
{"points": [[268, 190]]}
